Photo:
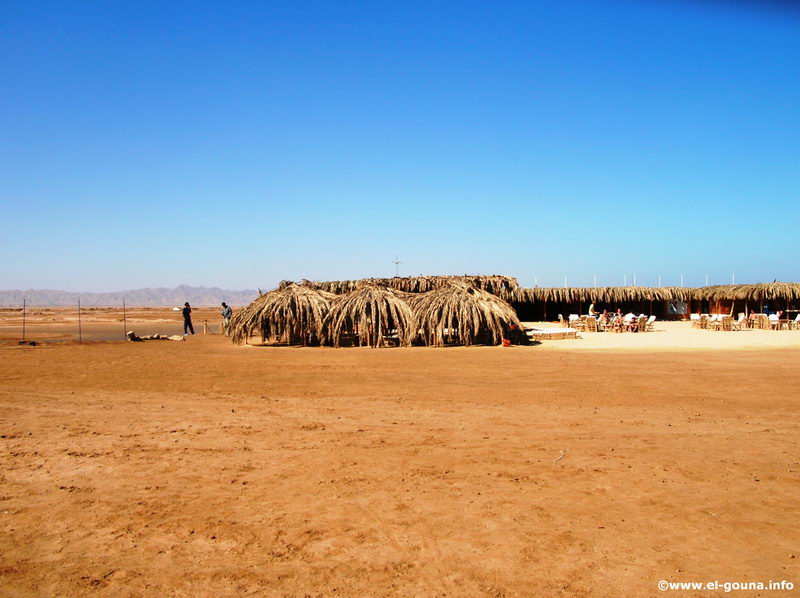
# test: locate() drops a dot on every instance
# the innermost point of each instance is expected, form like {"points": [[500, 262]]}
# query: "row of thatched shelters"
{"points": [[539, 303], [600, 294], [664, 302], [771, 291], [374, 315], [508, 288], [765, 291], [439, 310]]}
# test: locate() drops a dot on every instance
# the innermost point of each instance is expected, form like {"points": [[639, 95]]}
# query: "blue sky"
{"points": [[238, 144]]}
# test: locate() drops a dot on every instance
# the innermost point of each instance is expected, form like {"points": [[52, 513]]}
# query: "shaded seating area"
{"points": [[754, 321], [611, 323]]}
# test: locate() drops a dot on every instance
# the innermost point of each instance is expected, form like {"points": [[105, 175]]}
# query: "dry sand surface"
{"points": [[51, 324], [202, 469]]}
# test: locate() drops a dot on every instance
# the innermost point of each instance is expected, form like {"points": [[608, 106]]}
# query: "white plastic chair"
{"points": [[774, 321]]}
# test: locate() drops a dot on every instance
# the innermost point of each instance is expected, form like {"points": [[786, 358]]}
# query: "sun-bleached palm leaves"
{"points": [[496, 284], [293, 314], [599, 294], [461, 314], [368, 315], [764, 291]]}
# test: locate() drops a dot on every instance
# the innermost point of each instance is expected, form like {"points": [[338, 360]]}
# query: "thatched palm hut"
{"points": [[627, 294], [367, 315], [764, 291], [536, 302], [293, 313], [776, 294], [460, 313]]}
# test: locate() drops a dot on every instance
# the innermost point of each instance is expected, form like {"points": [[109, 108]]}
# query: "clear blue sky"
{"points": [[238, 144]]}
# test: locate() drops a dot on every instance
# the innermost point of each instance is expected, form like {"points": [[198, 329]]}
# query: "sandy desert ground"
{"points": [[573, 468]]}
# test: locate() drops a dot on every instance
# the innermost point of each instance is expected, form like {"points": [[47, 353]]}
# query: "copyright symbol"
{"points": [[663, 585]]}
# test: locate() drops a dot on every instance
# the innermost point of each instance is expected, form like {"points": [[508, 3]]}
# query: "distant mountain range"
{"points": [[160, 297]]}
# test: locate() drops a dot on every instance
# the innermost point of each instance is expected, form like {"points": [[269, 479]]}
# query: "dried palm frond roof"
{"points": [[496, 284], [460, 313], [755, 292], [370, 312], [600, 294], [764, 291], [293, 312]]}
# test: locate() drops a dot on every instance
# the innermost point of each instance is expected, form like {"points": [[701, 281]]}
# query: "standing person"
{"points": [[592, 312], [187, 319], [226, 313]]}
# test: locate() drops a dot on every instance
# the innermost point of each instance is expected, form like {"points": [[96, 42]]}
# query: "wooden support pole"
{"points": [[80, 332], [205, 327], [124, 321], [24, 313]]}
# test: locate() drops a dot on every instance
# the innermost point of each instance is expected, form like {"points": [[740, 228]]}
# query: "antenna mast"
{"points": [[396, 263]]}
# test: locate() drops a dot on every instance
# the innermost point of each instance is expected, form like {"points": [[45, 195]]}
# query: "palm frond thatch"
{"points": [[460, 313], [368, 314], [495, 284], [764, 291], [292, 312], [600, 294]]}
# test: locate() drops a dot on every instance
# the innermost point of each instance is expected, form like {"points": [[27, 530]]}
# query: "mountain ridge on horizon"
{"points": [[144, 297]]}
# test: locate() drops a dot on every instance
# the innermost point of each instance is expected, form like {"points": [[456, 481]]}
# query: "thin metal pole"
{"points": [[80, 332], [681, 279], [24, 312], [625, 281], [124, 321], [634, 280], [659, 280]]}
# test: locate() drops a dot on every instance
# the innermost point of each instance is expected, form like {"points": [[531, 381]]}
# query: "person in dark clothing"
{"points": [[187, 319], [227, 314]]}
